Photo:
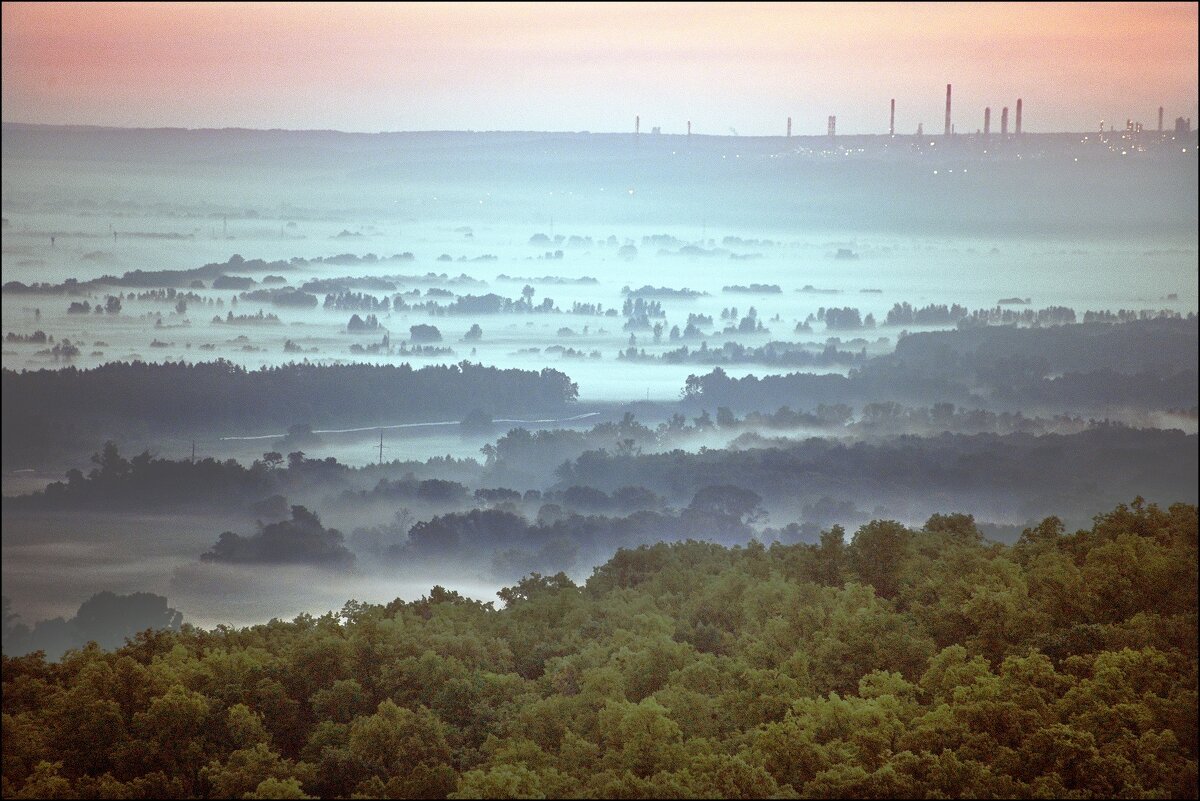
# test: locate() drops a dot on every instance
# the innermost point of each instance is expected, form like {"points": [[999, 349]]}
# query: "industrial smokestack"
{"points": [[892, 122], [832, 126], [790, 127], [689, 127], [1018, 116], [1004, 122], [947, 109], [637, 124], [1160, 110], [987, 122]]}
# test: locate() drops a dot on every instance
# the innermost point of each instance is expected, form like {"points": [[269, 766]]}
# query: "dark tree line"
{"points": [[203, 395], [1009, 474], [1144, 364]]}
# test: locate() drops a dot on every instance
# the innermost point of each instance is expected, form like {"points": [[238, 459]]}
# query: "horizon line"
{"points": [[651, 134]]}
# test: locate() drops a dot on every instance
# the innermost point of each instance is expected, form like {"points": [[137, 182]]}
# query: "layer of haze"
{"points": [[1061, 220], [725, 67]]}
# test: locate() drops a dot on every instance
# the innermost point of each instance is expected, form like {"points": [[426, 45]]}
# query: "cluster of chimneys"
{"points": [[987, 117], [987, 121]]}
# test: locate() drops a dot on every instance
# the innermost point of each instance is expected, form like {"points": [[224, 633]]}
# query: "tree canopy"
{"points": [[911, 663]]}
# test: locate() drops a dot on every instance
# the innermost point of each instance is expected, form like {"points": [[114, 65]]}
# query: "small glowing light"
{"points": [[1185, 150], [935, 172], [1077, 158]]}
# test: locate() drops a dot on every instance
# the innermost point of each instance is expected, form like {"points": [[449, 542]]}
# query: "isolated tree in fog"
{"points": [[735, 504]]}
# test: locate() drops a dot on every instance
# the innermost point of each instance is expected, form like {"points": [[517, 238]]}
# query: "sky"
{"points": [[729, 68]]}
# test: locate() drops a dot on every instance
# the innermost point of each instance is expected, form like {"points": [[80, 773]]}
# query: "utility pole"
{"points": [[381, 447]]}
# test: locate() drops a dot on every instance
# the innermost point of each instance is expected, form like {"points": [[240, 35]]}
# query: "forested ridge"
{"points": [[900, 663], [47, 411], [1087, 367], [219, 391]]}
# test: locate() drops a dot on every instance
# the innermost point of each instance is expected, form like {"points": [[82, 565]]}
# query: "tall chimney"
{"points": [[987, 122], [947, 109], [832, 126], [789, 127], [1160, 110], [1018, 132], [637, 124], [892, 123], [1004, 122], [689, 127]]}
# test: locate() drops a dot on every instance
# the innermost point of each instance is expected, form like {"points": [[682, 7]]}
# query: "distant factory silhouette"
{"points": [[1182, 124]]}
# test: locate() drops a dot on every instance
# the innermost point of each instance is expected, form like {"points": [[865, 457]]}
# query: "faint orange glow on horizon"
{"points": [[574, 66]]}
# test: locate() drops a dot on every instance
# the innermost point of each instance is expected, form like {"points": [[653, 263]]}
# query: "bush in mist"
{"points": [[424, 333], [301, 540]]}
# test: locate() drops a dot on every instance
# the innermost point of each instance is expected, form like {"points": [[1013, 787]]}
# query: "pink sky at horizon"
{"points": [[593, 67]]}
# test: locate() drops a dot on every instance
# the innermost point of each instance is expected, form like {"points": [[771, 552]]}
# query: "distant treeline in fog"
{"points": [[1005, 475], [195, 278], [45, 409], [106, 619], [1017, 474], [1094, 369], [1080, 368]]}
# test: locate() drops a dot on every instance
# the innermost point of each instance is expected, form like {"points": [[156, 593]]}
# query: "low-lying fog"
{"points": [[448, 239]]}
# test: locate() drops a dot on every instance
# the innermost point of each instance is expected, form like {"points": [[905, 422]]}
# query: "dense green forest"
{"points": [[900, 663]]}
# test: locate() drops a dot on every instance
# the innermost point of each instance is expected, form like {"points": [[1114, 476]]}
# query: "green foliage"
{"points": [[906, 663]]}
